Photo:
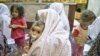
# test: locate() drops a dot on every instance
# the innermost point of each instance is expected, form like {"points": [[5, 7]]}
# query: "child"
{"points": [[36, 31], [80, 33], [18, 25]]}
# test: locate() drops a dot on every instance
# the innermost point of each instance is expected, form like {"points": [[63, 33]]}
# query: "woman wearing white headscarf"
{"points": [[54, 40], [58, 7], [5, 15]]}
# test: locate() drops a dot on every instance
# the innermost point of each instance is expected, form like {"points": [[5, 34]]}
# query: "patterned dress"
{"points": [[95, 49]]}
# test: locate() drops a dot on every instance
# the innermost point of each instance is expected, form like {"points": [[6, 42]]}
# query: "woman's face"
{"points": [[15, 12]]}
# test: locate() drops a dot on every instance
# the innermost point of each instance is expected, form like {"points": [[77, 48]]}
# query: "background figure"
{"points": [[94, 39], [5, 15], [2, 44], [54, 40], [4, 12], [59, 8]]}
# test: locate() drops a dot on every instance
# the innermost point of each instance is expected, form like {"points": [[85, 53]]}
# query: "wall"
{"points": [[32, 8]]}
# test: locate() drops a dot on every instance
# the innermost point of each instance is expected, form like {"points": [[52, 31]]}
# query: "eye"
{"points": [[39, 32], [32, 29]]}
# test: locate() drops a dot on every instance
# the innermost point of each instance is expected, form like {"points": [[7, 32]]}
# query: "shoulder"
{"points": [[23, 19]]}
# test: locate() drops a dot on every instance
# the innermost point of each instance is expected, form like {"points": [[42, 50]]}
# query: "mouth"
{"points": [[33, 36]]}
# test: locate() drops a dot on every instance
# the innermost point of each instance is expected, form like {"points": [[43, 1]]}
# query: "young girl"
{"points": [[18, 25], [36, 31], [81, 32]]}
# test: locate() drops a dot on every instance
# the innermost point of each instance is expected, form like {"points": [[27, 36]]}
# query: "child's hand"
{"points": [[10, 26], [13, 26]]}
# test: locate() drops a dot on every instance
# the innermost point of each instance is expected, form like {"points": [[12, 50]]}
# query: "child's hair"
{"points": [[47, 6], [20, 9], [38, 23], [37, 17], [87, 16]]}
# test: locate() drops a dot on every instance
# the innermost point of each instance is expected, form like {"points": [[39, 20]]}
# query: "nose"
{"points": [[34, 33]]}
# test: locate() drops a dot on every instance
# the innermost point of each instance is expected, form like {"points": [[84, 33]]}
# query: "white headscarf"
{"points": [[5, 15], [4, 9], [60, 9], [54, 40], [94, 6]]}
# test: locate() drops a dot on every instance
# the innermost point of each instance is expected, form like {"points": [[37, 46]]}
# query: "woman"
{"points": [[54, 40], [5, 14], [59, 8]]}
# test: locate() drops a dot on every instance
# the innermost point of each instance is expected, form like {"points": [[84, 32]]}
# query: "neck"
{"points": [[83, 27]]}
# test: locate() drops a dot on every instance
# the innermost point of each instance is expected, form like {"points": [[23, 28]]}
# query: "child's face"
{"points": [[36, 30], [85, 25], [15, 12]]}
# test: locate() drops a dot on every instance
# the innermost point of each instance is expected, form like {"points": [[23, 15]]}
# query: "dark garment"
{"points": [[95, 49], [3, 46], [71, 38]]}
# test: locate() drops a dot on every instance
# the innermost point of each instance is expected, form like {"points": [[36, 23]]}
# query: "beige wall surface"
{"points": [[32, 8]]}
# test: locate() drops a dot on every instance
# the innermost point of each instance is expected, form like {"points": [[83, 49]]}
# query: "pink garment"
{"points": [[18, 32], [20, 41], [78, 50]]}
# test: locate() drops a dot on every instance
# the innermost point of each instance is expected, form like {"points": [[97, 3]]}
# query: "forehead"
{"points": [[37, 28], [14, 8]]}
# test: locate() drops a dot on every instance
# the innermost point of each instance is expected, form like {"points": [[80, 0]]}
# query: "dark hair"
{"points": [[47, 6], [20, 9], [86, 14], [78, 9], [37, 18], [38, 23]]}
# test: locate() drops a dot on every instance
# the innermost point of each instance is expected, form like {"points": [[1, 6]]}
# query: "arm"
{"points": [[22, 26]]}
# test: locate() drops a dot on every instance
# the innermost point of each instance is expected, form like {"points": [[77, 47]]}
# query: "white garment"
{"points": [[94, 28], [76, 23], [54, 40], [1, 25], [5, 15], [60, 9], [94, 6]]}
